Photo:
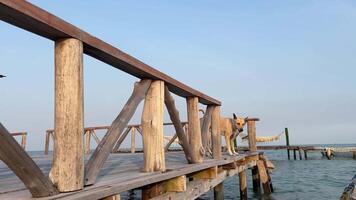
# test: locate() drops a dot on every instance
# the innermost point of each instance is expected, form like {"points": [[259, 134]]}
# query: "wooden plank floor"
{"points": [[121, 172]]}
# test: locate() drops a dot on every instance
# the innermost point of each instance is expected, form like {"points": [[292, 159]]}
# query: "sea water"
{"points": [[314, 179]]}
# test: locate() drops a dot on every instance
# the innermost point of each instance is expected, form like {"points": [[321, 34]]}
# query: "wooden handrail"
{"points": [[36, 20]]}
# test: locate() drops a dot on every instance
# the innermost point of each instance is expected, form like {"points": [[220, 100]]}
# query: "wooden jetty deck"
{"points": [[122, 172], [160, 175]]}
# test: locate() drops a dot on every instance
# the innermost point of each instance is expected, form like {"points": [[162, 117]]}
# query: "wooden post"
{"points": [[215, 132], [87, 141], [216, 145], [251, 131], [287, 142], [243, 185], [305, 154], [47, 142], [294, 154], [152, 128], [263, 176], [256, 183], [133, 137], [194, 131], [15, 157], [67, 171], [23, 140], [300, 154]]}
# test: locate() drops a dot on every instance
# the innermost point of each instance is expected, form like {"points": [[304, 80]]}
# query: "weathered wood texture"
{"points": [[67, 172], [106, 145], [194, 131], [114, 197], [243, 185], [256, 183], [31, 18], [215, 132], [133, 141], [174, 116], [263, 176], [15, 157], [219, 192], [205, 128], [87, 141], [251, 131], [152, 128]]}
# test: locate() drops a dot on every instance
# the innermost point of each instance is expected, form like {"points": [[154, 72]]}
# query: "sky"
{"points": [[290, 63]]}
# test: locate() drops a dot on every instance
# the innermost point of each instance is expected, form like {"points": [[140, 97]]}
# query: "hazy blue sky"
{"points": [[291, 63]]}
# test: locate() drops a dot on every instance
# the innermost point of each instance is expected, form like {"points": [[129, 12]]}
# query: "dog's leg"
{"points": [[228, 144], [233, 140]]}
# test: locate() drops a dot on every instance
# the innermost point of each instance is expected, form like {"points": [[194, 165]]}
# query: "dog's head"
{"points": [[240, 122]]}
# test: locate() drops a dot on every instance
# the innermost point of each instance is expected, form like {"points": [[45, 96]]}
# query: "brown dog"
{"points": [[231, 128]]}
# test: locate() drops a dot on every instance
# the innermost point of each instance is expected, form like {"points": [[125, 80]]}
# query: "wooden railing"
{"points": [[90, 132], [69, 172], [23, 136]]}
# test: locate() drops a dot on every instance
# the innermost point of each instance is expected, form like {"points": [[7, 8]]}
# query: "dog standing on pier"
{"points": [[230, 128]]}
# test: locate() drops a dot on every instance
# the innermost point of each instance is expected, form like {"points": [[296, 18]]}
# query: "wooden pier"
{"points": [[70, 174]]}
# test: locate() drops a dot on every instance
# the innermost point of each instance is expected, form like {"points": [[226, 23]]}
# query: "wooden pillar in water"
{"points": [[152, 128], [300, 154], [194, 131], [287, 142], [251, 130], [216, 145], [243, 185], [295, 154], [305, 154], [67, 171]]}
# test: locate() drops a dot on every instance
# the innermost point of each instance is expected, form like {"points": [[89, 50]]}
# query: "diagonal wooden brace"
{"points": [[106, 145], [16, 158]]}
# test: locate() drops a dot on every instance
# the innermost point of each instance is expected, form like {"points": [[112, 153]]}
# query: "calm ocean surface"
{"points": [[316, 178]]}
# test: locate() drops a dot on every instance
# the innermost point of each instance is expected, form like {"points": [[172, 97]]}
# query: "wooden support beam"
{"points": [[177, 184], [205, 128], [287, 141], [263, 176], [294, 154], [133, 139], [114, 197], [209, 173], [300, 154], [305, 154], [121, 139], [215, 132], [87, 141], [256, 183], [243, 185], [152, 129], [16, 158], [174, 116], [219, 191], [106, 145], [194, 131], [153, 190], [67, 171]]}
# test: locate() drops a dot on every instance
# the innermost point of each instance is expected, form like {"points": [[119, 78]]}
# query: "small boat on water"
{"points": [[344, 152]]}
